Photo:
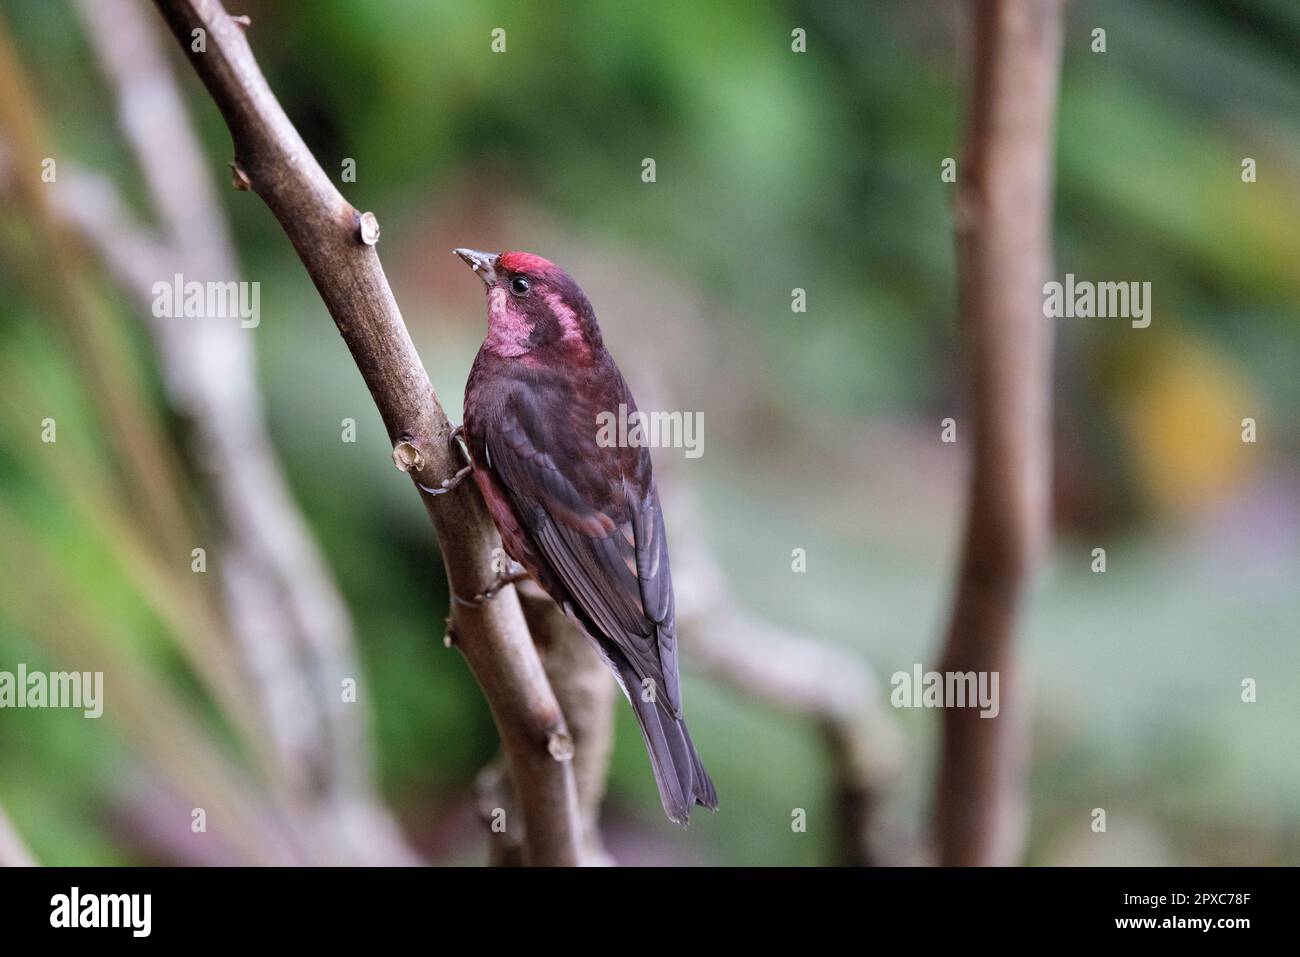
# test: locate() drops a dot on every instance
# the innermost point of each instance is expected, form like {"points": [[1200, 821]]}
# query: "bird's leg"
{"points": [[487, 594], [448, 485], [512, 575]]}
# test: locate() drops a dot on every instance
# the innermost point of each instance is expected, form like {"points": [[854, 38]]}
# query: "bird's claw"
{"points": [[487, 594], [457, 442], [448, 485]]}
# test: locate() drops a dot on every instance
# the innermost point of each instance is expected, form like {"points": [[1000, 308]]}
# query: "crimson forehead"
{"points": [[527, 263]]}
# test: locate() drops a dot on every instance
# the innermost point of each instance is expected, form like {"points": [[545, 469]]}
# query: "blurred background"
{"points": [[774, 171]]}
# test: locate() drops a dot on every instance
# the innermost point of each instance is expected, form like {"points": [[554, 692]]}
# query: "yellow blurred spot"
{"points": [[1183, 424]]}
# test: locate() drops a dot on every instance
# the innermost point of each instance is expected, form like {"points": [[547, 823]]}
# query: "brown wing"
{"points": [[594, 516]]}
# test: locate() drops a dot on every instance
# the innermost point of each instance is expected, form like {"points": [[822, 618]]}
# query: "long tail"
{"points": [[683, 782]]}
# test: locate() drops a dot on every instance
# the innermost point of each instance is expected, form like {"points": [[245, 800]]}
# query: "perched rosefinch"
{"points": [[581, 518]]}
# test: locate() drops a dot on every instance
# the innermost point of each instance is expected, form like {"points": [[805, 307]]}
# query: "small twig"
{"points": [[587, 694], [802, 676]]}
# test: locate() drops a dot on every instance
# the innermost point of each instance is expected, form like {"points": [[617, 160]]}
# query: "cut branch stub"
{"points": [[407, 457], [239, 179], [560, 745], [368, 228]]}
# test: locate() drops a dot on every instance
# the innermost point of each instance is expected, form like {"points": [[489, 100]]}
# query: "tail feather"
{"points": [[682, 780]]}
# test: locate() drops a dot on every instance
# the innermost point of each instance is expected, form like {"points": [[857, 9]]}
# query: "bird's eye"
{"points": [[519, 285]]}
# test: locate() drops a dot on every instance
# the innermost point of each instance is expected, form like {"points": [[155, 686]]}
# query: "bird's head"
{"points": [[533, 305]]}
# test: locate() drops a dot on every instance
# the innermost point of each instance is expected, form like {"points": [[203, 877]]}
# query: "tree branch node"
{"points": [[560, 745], [239, 179], [368, 228], [407, 457]]}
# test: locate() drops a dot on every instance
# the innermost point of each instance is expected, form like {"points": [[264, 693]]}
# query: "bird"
{"points": [[580, 515]]}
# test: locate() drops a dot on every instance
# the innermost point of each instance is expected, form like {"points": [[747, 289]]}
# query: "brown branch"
{"points": [[1003, 221], [586, 692], [326, 232], [819, 682]]}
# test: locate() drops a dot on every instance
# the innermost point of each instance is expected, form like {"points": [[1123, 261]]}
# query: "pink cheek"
{"points": [[503, 318], [508, 329]]}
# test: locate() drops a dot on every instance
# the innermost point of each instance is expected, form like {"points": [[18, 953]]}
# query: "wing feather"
{"points": [[600, 528]]}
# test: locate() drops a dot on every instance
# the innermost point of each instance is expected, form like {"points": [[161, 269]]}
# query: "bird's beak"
{"points": [[482, 263]]}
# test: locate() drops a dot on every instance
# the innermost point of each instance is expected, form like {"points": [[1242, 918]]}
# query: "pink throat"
{"points": [[508, 330], [509, 327]]}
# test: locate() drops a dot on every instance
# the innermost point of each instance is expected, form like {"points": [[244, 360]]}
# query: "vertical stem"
{"points": [[1003, 221]]}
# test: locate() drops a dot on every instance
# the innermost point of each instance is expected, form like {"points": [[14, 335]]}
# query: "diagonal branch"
{"points": [[802, 676], [586, 691], [339, 255]]}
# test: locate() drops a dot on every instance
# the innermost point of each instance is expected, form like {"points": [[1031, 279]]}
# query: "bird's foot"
{"points": [[457, 443], [499, 582], [448, 485]]}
